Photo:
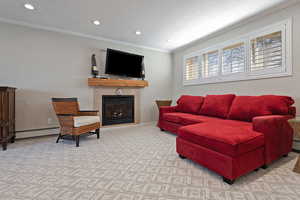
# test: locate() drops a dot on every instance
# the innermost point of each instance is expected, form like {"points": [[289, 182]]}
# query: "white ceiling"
{"points": [[180, 21]]}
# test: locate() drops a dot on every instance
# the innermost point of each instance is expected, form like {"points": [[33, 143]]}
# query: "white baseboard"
{"points": [[30, 134]]}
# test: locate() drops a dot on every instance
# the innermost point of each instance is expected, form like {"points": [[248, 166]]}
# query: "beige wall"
{"points": [[284, 86], [44, 64]]}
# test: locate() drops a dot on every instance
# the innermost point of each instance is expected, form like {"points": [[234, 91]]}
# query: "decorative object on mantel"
{"points": [[116, 82], [94, 66], [160, 103], [143, 70], [118, 91], [295, 124], [7, 116], [297, 166], [73, 121]]}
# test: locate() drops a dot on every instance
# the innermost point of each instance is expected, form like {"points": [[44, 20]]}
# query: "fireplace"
{"points": [[117, 109]]}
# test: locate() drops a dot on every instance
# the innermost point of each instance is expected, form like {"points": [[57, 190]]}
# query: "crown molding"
{"points": [[58, 30]]}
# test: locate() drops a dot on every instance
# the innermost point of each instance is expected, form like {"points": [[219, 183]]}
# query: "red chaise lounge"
{"points": [[231, 135]]}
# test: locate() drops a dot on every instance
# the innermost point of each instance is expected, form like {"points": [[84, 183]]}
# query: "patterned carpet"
{"points": [[132, 163]]}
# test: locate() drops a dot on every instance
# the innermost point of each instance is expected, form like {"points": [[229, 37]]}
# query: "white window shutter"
{"points": [[210, 64], [266, 52], [233, 59], [192, 68]]}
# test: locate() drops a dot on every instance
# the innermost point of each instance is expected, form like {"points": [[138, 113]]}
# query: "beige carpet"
{"points": [[133, 163]]}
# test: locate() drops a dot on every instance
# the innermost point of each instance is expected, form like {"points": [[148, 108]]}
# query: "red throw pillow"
{"points": [[189, 104], [246, 107], [217, 105], [278, 105]]}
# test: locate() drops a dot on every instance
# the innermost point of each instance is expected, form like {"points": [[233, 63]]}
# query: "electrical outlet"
{"points": [[50, 121]]}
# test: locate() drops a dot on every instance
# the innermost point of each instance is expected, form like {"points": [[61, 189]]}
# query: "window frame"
{"points": [[286, 69]]}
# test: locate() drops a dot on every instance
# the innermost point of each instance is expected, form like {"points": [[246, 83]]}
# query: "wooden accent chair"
{"points": [[73, 121]]}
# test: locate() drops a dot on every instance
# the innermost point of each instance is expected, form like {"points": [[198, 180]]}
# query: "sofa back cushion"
{"points": [[189, 104], [246, 107], [217, 105], [278, 105]]}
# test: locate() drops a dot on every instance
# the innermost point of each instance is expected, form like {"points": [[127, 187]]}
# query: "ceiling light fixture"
{"points": [[138, 33], [29, 6], [96, 22]]}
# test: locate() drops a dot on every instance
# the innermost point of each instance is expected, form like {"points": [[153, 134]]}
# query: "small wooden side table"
{"points": [[295, 123], [160, 103], [297, 166]]}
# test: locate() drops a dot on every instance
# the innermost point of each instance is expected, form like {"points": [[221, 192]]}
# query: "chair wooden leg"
{"points": [[4, 146], [12, 140], [59, 136], [77, 140], [98, 133]]}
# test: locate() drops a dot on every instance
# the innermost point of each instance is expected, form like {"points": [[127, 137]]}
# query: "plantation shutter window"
{"points": [[210, 64], [233, 59], [192, 68], [266, 52]]}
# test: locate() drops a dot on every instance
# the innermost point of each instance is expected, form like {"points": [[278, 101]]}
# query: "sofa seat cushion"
{"points": [[189, 119], [85, 120], [226, 137], [186, 118]]}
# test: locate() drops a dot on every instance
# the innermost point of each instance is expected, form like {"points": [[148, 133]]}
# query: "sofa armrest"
{"points": [[278, 135], [166, 109]]}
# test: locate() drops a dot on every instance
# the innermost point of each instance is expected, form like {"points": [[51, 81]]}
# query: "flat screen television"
{"points": [[124, 64]]}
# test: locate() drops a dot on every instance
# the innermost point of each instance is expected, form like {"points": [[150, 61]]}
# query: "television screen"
{"points": [[123, 63]]}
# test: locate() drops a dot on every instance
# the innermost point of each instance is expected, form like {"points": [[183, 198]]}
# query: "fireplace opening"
{"points": [[117, 109]]}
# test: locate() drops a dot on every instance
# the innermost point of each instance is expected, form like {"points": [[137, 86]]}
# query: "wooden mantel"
{"points": [[116, 82]]}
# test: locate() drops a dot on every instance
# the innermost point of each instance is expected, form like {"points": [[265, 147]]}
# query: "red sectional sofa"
{"points": [[231, 135]]}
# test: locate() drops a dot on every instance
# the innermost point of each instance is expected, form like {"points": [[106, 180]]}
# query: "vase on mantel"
{"points": [[94, 67]]}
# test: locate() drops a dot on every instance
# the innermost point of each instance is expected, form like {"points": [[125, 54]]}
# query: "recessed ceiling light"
{"points": [[96, 22], [169, 41], [138, 33], [29, 6]]}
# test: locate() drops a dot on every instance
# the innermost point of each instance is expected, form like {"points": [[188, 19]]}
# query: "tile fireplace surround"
{"points": [[100, 91]]}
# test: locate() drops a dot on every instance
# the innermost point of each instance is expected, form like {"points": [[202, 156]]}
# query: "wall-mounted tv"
{"points": [[124, 64]]}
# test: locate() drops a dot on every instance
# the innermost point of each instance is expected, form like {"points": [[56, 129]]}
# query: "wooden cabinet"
{"points": [[7, 116]]}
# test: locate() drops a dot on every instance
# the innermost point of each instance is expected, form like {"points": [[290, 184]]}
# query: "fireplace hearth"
{"points": [[117, 109]]}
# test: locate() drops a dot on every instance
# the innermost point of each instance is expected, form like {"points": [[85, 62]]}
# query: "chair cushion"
{"points": [[186, 118], [246, 107], [85, 120], [217, 105], [226, 137], [189, 104]]}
